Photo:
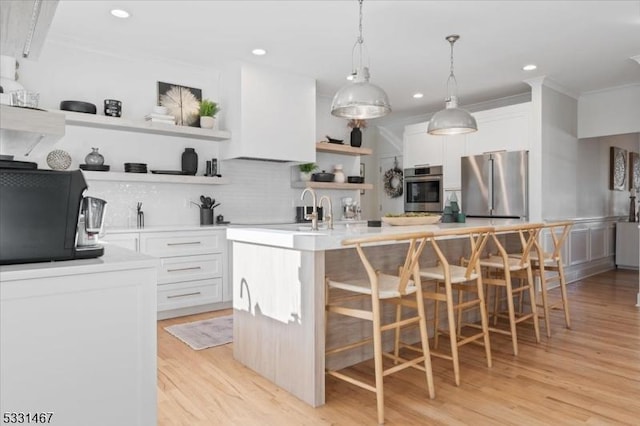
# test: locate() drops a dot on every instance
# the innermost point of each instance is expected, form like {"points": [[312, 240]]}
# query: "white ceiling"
{"points": [[581, 45]]}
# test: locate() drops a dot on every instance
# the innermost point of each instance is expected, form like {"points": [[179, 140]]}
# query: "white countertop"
{"points": [[300, 236], [165, 228], [114, 259]]}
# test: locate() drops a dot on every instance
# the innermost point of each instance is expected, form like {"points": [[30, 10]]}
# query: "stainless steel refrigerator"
{"points": [[495, 185]]}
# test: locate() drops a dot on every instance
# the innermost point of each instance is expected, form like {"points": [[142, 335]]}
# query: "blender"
{"points": [[90, 222]]}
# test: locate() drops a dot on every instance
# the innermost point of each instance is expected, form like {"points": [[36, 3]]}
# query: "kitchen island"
{"points": [[78, 339], [278, 296]]}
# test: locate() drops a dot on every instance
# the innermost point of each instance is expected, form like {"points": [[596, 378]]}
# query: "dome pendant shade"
{"points": [[360, 100], [452, 120]]}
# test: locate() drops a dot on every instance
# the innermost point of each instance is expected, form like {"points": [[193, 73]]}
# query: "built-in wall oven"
{"points": [[423, 189]]}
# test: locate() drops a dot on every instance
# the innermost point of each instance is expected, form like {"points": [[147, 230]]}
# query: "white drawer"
{"points": [[191, 293], [128, 241], [164, 244], [189, 268]]}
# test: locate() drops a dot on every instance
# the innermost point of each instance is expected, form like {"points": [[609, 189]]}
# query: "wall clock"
{"points": [[182, 102], [618, 169]]}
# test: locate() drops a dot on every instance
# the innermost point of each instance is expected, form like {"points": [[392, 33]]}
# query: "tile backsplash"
{"points": [[259, 192]]}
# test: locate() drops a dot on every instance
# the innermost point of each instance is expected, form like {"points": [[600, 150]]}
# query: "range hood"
{"points": [[28, 132], [271, 114]]}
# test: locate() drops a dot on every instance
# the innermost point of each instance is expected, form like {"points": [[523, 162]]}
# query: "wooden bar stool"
{"points": [[380, 287], [499, 271], [551, 269], [466, 280]]}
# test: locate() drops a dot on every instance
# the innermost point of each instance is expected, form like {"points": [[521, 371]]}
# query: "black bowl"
{"points": [[78, 106], [332, 140], [355, 179], [323, 177]]}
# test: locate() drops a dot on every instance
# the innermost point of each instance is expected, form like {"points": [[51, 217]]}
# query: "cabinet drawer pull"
{"points": [[190, 243], [184, 295], [192, 268]]}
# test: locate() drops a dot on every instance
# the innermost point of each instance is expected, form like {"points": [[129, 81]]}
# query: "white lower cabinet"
{"points": [[627, 245], [193, 274]]}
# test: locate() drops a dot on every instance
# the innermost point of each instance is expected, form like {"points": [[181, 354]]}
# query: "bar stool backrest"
{"points": [[528, 233], [558, 241], [417, 242], [478, 237]]}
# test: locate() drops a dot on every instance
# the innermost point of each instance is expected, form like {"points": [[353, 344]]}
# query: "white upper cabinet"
{"points": [[501, 129], [454, 148], [421, 148], [272, 115]]}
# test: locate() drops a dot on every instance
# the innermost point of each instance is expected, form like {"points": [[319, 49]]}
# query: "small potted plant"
{"points": [[356, 134], [305, 171], [208, 111]]}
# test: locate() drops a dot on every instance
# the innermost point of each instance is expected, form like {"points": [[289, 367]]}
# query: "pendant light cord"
{"points": [[452, 78], [359, 43]]}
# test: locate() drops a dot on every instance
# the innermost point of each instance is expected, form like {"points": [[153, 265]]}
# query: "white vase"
{"points": [[207, 122], [338, 174]]}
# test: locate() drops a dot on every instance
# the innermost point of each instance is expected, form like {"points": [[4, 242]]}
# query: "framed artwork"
{"points": [[618, 169], [182, 102], [634, 171]]}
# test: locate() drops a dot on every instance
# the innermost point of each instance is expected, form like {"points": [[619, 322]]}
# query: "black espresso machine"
{"points": [[39, 215]]}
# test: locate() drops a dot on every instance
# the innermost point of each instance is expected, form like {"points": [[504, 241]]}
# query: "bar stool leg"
{"points": [[453, 339], [425, 340], [545, 300], [534, 307], [511, 309], [377, 358], [563, 291]]}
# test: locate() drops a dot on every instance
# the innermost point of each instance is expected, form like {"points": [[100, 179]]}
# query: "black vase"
{"points": [[356, 137], [189, 161]]}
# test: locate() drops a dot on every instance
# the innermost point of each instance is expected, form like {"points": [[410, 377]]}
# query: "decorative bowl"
{"points": [[59, 159], [355, 179], [411, 220]]}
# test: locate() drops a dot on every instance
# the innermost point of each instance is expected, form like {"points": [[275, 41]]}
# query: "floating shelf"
{"points": [[342, 149], [331, 185], [115, 123], [153, 178]]}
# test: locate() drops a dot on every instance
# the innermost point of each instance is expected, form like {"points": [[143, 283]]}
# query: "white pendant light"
{"points": [[452, 120], [360, 99]]}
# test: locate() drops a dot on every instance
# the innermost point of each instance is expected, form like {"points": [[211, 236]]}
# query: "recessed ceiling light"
{"points": [[529, 67], [259, 52], [418, 95], [119, 13]]}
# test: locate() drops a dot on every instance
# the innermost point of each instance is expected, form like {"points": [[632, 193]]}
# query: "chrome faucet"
{"points": [[327, 213], [314, 214]]}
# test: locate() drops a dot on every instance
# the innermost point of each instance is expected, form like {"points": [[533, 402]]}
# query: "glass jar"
{"points": [[94, 158]]}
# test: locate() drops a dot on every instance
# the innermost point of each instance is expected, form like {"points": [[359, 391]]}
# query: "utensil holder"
{"points": [[206, 216]]}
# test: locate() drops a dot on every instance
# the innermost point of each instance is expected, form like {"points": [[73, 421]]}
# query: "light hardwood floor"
{"points": [[587, 375]]}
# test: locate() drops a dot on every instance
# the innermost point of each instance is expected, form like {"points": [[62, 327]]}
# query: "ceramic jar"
{"points": [[338, 174], [190, 161], [356, 137], [94, 158]]}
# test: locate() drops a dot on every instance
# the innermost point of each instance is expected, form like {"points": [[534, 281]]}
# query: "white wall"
{"points": [[559, 154], [614, 111], [593, 175]]}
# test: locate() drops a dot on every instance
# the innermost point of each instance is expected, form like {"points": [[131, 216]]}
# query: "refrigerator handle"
{"points": [[490, 186]]}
